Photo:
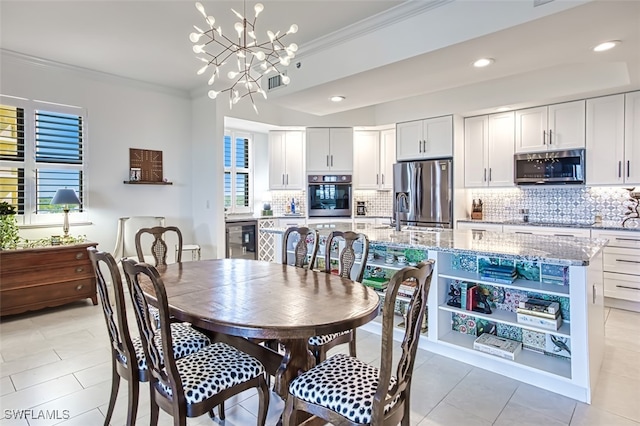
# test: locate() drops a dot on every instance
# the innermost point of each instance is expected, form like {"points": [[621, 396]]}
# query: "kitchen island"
{"points": [[566, 270]]}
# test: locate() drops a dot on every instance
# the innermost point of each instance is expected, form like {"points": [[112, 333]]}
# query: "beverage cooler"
{"points": [[241, 240]]}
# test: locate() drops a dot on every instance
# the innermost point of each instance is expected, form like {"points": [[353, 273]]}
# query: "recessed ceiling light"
{"points": [[337, 98], [483, 62], [606, 45]]}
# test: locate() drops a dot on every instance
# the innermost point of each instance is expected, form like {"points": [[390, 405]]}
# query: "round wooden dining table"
{"points": [[263, 300]]}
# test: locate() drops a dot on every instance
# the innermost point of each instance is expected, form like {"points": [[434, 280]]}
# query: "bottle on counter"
{"points": [[293, 205]]}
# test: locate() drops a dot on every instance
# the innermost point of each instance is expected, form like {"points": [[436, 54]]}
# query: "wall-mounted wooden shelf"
{"points": [[139, 182]]}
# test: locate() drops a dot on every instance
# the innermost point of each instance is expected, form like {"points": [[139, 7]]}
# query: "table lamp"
{"points": [[65, 197]]}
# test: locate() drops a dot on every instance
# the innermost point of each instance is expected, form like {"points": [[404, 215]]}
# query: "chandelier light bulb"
{"points": [[216, 51]]}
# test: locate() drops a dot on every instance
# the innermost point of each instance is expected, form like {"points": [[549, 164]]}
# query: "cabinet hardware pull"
{"points": [[79, 255], [327, 161], [287, 178], [524, 233], [594, 293], [331, 160], [627, 239], [79, 287], [478, 230], [550, 137], [377, 179], [424, 145], [627, 287], [619, 169], [79, 269], [485, 174], [563, 235], [628, 167], [544, 137], [382, 174], [627, 261], [489, 174], [419, 145], [283, 178]]}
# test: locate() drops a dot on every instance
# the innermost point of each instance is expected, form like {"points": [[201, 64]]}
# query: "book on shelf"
{"points": [[537, 321], [377, 283], [472, 297], [499, 280], [499, 346], [545, 306], [537, 313]]}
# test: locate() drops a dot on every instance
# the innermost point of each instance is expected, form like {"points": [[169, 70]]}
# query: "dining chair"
{"points": [[185, 340], [126, 235], [195, 384], [351, 264], [296, 239], [343, 390], [159, 248]]}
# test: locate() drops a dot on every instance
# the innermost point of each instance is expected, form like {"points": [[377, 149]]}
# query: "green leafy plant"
{"points": [[8, 226]]}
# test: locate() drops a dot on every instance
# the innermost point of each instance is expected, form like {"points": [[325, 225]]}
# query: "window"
{"points": [[41, 150], [238, 179]]}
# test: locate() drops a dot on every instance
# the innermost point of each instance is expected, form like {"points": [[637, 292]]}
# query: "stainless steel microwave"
{"points": [[552, 167]]}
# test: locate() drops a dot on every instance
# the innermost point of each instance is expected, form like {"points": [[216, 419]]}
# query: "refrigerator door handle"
{"points": [[417, 192]]}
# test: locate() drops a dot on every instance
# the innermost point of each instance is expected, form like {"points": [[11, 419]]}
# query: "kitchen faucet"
{"points": [[402, 204]]}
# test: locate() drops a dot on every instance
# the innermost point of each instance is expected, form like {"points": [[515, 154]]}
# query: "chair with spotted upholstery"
{"points": [[193, 385], [351, 264], [185, 339], [295, 247], [343, 390], [159, 248]]}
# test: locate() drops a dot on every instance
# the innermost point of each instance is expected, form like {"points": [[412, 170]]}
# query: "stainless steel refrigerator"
{"points": [[423, 193]]}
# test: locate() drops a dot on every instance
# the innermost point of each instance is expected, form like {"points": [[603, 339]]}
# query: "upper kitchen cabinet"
{"points": [[329, 150], [374, 155], [424, 139], [613, 139], [488, 150], [551, 128], [286, 160]]}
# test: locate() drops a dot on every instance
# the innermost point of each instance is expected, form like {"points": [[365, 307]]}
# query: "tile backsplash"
{"points": [[281, 199], [553, 204], [378, 203]]}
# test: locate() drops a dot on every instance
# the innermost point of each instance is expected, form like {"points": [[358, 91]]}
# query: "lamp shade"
{"points": [[65, 196]]}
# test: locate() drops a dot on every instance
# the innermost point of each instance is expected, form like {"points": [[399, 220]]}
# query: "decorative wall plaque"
{"points": [[149, 163]]}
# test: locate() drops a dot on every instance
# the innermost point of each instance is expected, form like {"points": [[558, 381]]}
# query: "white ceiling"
{"points": [[545, 59]]}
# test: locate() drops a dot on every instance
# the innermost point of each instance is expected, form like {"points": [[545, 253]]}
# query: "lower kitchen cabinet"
{"points": [[548, 230], [480, 226], [621, 268]]}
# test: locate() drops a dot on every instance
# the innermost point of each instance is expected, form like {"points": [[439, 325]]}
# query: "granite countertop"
{"points": [[551, 249], [611, 225]]}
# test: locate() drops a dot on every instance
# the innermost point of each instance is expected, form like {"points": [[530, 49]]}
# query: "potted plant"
{"points": [[8, 226]]}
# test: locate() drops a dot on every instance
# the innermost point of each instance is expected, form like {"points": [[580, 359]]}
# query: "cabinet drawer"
{"points": [[622, 286], [15, 260], [38, 277], [620, 260], [47, 295], [632, 240]]}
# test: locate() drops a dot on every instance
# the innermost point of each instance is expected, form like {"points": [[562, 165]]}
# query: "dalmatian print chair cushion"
{"points": [[323, 340], [214, 369], [186, 341], [343, 384]]}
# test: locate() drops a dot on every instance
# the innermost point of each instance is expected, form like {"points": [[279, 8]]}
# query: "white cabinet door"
{"points": [[476, 136], [566, 126], [388, 158], [632, 138], [318, 149], [409, 140], [546, 230], [605, 140], [531, 129], [366, 165], [341, 150], [500, 150], [437, 136], [277, 154], [294, 160]]}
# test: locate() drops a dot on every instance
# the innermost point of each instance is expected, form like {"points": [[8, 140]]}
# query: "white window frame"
{"points": [[30, 217], [235, 134]]}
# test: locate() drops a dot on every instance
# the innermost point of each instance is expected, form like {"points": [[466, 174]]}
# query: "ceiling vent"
{"points": [[537, 3], [275, 82]]}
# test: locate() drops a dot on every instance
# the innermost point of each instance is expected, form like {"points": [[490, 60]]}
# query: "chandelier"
{"points": [[247, 60]]}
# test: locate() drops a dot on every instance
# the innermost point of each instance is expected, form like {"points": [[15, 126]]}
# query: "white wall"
{"points": [[121, 114]]}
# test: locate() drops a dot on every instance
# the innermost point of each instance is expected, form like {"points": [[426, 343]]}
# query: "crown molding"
{"points": [[368, 25], [97, 75]]}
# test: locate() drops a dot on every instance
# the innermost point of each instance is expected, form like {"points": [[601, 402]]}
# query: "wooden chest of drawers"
{"points": [[36, 278]]}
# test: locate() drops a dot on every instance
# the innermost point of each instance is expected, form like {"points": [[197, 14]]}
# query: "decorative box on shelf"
{"points": [[500, 346]]}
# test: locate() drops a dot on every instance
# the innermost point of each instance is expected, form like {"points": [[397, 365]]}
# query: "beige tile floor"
{"points": [[56, 361]]}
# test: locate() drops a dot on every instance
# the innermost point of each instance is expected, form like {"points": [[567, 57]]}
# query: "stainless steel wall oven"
{"points": [[330, 196]]}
